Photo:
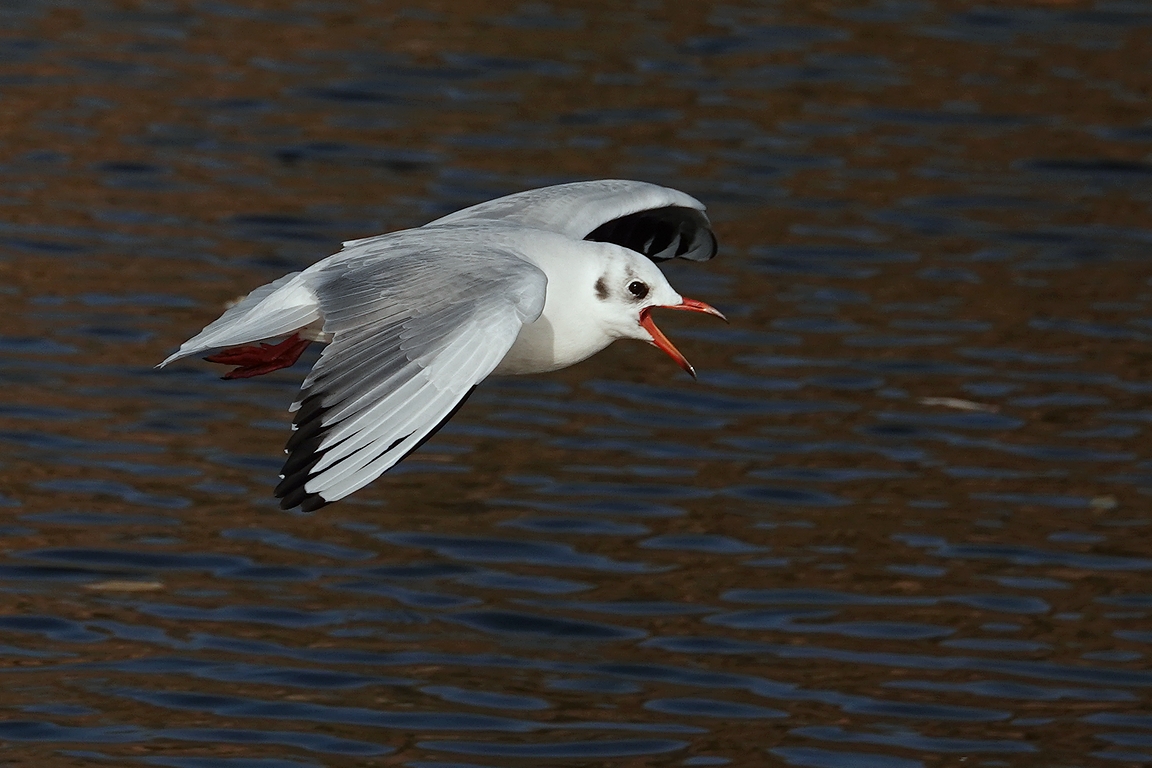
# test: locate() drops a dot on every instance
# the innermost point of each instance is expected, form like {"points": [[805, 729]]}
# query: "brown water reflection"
{"points": [[902, 520]]}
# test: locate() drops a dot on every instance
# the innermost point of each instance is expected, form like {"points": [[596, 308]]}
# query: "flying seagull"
{"points": [[414, 320]]}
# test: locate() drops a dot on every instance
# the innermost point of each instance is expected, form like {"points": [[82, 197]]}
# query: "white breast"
{"points": [[568, 330]]}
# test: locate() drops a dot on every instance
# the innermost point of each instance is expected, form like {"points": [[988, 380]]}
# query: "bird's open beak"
{"points": [[661, 341]]}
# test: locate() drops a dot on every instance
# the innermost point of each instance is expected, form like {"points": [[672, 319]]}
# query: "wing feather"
{"points": [[414, 329], [659, 222]]}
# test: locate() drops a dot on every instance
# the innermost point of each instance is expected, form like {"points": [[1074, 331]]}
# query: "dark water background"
{"points": [[902, 520]]}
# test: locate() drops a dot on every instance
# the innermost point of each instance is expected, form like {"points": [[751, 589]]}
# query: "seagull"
{"points": [[414, 320]]}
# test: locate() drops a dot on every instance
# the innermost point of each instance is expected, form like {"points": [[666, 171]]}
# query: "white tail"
{"points": [[277, 309]]}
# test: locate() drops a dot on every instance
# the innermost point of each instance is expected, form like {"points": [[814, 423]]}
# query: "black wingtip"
{"points": [[661, 233], [303, 455], [290, 497], [304, 452], [313, 502], [292, 493]]}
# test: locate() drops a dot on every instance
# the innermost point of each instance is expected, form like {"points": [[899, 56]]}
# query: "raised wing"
{"points": [[661, 233], [415, 327], [659, 222]]}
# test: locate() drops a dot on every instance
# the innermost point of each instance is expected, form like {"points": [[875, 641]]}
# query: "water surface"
{"points": [[901, 520]]}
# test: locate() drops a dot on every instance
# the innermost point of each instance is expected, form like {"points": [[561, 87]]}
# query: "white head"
{"points": [[626, 288]]}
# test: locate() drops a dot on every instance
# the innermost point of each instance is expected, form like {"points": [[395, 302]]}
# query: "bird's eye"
{"points": [[638, 289]]}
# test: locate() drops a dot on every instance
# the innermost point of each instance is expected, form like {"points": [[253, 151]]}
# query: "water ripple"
{"points": [[566, 750], [491, 550], [900, 520]]}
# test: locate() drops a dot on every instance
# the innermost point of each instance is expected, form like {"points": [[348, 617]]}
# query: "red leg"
{"points": [[256, 361]]}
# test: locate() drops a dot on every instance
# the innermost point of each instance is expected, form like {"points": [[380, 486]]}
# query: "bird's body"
{"points": [[414, 320]]}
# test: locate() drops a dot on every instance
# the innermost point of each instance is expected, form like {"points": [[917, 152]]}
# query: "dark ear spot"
{"points": [[601, 289]]}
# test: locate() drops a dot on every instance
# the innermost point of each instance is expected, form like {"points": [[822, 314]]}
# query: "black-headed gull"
{"points": [[414, 320]]}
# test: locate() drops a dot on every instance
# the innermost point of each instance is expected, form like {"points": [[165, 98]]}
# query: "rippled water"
{"points": [[902, 519]]}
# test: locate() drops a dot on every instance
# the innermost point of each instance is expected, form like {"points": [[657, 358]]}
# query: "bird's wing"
{"points": [[415, 326], [659, 222]]}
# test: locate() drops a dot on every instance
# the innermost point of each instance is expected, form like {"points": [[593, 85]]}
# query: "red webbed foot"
{"points": [[258, 360]]}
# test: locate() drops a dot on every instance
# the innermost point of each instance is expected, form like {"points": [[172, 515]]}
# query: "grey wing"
{"points": [[412, 336], [659, 222]]}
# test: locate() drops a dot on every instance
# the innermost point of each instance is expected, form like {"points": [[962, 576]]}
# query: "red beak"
{"points": [[660, 341]]}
